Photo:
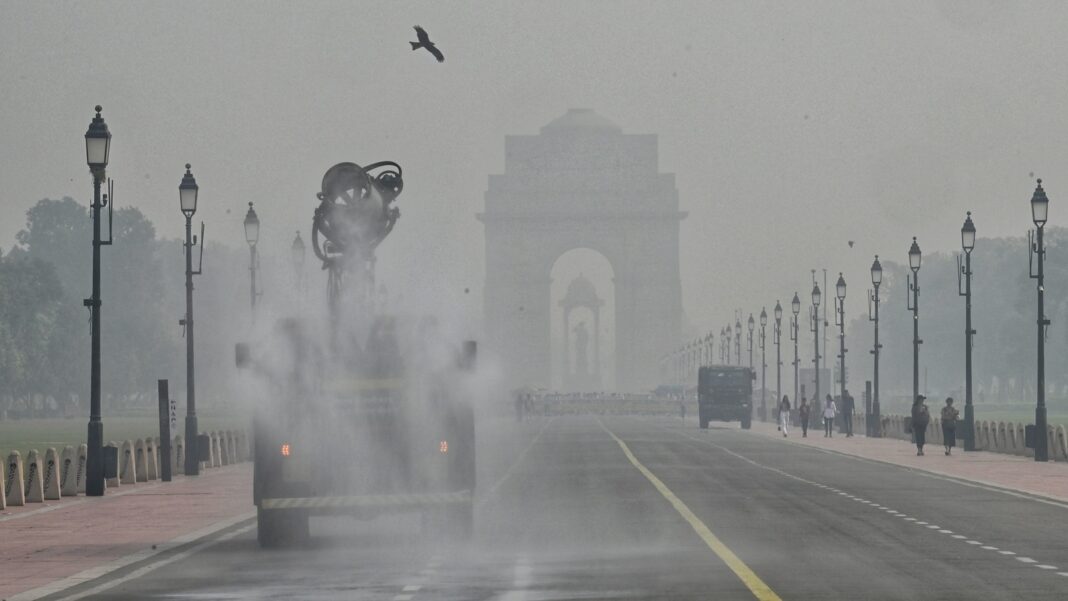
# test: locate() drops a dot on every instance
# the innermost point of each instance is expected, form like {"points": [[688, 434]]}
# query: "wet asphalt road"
{"points": [[564, 514]]}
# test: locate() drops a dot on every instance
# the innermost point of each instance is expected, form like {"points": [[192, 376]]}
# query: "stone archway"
{"points": [[582, 182]]}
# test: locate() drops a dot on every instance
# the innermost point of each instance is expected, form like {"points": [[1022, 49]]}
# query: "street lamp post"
{"points": [[751, 326], [815, 328], [1039, 213], [729, 343], [795, 308], [777, 337], [873, 303], [252, 236], [187, 196], [840, 289], [763, 366], [913, 304], [738, 338], [97, 151], [967, 240]]}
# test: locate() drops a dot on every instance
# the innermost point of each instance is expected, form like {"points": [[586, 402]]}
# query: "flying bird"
{"points": [[424, 42]]}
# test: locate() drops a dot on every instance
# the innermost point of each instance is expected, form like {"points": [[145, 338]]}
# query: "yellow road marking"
{"points": [[757, 586]]}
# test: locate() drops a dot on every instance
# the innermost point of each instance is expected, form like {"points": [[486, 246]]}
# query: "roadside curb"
{"points": [[60, 588]]}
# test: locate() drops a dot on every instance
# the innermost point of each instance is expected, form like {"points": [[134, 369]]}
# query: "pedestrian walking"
{"points": [[829, 411], [847, 414], [784, 414], [802, 414], [920, 418], [949, 425]]}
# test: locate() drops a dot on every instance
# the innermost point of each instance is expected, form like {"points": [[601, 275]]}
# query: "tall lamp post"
{"points": [[252, 236], [763, 367], [777, 338], [729, 343], [873, 304], [815, 328], [967, 241], [738, 338], [187, 196], [97, 150], [1039, 213], [840, 289], [795, 308], [914, 305], [751, 326]]}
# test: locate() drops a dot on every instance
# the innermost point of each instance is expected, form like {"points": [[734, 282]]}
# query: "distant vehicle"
{"points": [[725, 393]]}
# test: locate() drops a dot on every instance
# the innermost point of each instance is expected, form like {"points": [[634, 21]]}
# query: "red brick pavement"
{"points": [[45, 542], [1005, 471]]}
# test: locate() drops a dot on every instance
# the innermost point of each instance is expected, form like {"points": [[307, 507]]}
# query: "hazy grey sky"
{"points": [[792, 126]]}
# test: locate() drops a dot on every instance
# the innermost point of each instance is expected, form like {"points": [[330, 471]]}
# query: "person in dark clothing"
{"points": [[920, 418], [847, 413], [949, 425], [802, 415]]}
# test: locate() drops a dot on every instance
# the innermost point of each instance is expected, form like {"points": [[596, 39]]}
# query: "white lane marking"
{"points": [[933, 527], [1062, 573], [1007, 552], [511, 468], [411, 588], [402, 598], [910, 519], [944, 531], [919, 523], [973, 542], [1046, 566], [988, 548], [1026, 560], [959, 536]]}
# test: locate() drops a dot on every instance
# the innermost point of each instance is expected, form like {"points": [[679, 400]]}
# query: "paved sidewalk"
{"points": [[996, 469], [43, 543]]}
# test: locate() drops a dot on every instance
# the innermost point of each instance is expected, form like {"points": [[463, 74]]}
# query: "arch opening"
{"points": [[582, 324]]}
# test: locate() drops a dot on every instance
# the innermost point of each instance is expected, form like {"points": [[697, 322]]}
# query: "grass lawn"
{"points": [[26, 434]]}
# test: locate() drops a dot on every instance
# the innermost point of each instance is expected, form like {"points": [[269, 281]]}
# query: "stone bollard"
{"points": [[216, 452], [140, 460], [151, 460], [999, 437], [83, 452], [50, 479], [159, 457], [1051, 442], [3, 489], [1013, 444], [177, 456], [983, 443], [115, 468], [127, 463], [34, 486], [231, 440], [224, 449], [1062, 444], [68, 468], [16, 490]]}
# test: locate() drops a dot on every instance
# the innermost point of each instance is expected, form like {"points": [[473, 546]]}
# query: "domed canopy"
{"points": [[581, 293], [577, 120]]}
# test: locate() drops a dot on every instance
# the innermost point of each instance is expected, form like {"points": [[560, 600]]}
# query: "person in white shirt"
{"points": [[784, 414], [829, 411]]}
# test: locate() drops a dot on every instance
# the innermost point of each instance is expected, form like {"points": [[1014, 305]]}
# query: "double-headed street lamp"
{"points": [[777, 337], [751, 326], [815, 329], [738, 338], [252, 236], [187, 196], [729, 343], [97, 151], [913, 303], [763, 366], [1039, 213], [795, 308], [964, 271], [873, 304], [840, 289]]}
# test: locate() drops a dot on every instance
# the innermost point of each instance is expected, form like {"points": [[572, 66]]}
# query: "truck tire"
{"points": [[704, 423], [277, 529]]}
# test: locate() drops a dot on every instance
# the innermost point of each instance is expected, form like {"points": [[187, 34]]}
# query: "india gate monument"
{"points": [[581, 183]]}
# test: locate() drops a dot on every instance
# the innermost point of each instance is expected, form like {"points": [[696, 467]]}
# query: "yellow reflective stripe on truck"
{"points": [[401, 500]]}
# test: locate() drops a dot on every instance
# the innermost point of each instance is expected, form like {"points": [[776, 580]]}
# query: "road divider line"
{"points": [[511, 468], [758, 587]]}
